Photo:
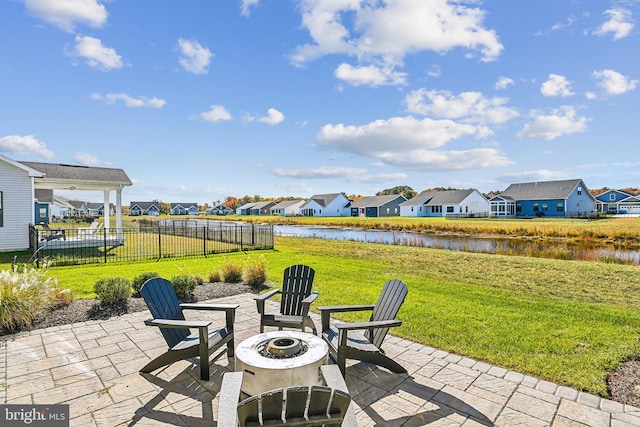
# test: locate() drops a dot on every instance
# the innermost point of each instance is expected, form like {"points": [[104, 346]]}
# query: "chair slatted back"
{"points": [[295, 406], [163, 303], [391, 298], [296, 286]]}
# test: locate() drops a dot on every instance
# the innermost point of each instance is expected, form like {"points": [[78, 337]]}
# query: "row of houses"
{"points": [[565, 198], [153, 209]]}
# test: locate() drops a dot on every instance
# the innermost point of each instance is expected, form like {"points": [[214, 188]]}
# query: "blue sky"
{"points": [[199, 100]]}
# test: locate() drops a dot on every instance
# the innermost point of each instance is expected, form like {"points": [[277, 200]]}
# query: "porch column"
{"points": [[119, 213], [106, 212]]}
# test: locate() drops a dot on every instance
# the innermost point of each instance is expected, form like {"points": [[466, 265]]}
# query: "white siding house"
{"points": [[287, 208], [442, 203], [16, 204], [335, 204]]}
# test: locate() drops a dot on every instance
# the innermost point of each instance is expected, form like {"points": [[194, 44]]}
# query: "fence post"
{"points": [[159, 242]]}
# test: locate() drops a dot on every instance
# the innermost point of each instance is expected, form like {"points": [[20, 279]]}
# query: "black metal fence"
{"points": [[152, 240]]}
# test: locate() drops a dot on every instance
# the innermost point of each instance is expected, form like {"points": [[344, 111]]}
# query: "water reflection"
{"points": [[520, 247]]}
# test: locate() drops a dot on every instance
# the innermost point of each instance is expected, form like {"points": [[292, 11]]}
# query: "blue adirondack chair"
{"points": [[295, 302], [363, 340], [168, 315]]}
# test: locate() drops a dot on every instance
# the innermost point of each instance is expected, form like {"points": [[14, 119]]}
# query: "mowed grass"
{"points": [[564, 321]]}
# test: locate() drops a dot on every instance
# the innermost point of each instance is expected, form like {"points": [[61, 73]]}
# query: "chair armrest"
{"points": [[334, 379], [325, 312], [311, 298], [209, 307], [345, 308], [267, 295], [229, 398], [229, 309], [260, 299], [368, 325], [166, 323]]}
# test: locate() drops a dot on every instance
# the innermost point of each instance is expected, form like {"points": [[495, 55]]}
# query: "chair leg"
{"points": [[309, 322]]}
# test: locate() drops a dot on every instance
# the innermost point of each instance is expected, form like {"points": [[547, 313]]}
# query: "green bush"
{"points": [[184, 285], [139, 280], [22, 295], [256, 275], [113, 290], [232, 273]]}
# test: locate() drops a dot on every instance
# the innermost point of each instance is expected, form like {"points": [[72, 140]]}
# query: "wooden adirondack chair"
{"points": [[296, 300], [363, 341], [167, 314], [301, 405]]}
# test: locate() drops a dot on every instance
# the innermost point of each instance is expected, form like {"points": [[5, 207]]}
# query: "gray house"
{"points": [[378, 206], [567, 198], [287, 208], [184, 209]]}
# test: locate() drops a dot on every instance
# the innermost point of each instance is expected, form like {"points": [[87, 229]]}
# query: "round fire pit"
{"points": [[280, 359]]}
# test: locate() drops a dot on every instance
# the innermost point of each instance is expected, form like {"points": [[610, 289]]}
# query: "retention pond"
{"points": [[511, 246]]}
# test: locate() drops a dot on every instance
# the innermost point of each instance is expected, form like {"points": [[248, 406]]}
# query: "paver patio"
{"points": [[93, 367]]}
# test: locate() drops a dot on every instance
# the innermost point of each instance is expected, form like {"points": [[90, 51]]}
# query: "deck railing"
{"points": [[72, 246]]}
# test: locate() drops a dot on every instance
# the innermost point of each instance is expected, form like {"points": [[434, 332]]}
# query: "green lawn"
{"points": [[564, 321]]}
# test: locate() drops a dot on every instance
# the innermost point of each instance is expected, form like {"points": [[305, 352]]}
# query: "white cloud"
{"points": [[273, 117], [370, 75], [246, 5], [562, 121], [321, 172], [129, 101], [358, 175], [66, 14], [434, 161], [396, 134], [620, 24], [471, 107], [386, 32], [504, 82], [194, 58], [95, 54], [89, 159], [22, 145], [531, 176], [613, 82], [216, 113], [556, 85]]}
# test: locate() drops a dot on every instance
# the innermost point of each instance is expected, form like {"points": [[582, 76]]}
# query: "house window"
{"points": [[545, 207], [560, 207], [388, 210], [518, 207], [579, 191], [1, 211], [449, 209], [536, 208], [612, 197]]}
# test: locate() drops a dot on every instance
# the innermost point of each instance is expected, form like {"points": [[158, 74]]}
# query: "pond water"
{"points": [[521, 247]]}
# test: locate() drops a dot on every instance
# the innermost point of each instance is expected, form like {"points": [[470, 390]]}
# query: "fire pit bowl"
{"points": [[280, 359]]}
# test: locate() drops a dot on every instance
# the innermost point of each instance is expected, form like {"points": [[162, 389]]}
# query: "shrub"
{"points": [[199, 279], [214, 276], [184, 285], [22, 295], [113, 290], [255, 275], [232, 273], [139, 280], [62, 298]]}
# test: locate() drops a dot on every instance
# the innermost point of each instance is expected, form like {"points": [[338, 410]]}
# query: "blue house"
{"points": [[144, 208], [609, 202], [568, 198], [184, 209]]}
